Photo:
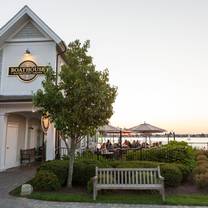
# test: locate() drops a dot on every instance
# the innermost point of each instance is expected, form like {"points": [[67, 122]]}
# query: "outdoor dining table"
{"points": [[108, 155]]}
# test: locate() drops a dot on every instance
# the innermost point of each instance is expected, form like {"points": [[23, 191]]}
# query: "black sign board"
{"points": [[27, 70]]}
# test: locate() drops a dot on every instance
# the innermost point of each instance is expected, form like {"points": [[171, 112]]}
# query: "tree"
{"points": [[80, 102]]}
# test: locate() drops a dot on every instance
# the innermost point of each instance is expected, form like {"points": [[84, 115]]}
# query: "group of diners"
{"points": [[135, 144]]}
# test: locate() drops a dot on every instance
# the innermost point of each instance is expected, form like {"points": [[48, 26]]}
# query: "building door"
{"points": [[32, 138], [11, 146]]}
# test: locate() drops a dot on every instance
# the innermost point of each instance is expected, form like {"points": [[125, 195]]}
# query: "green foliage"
{"points": [[82, 100], [58, 167], [90, 186], [134, 164], [175, 152], [172, 174], [85, 169], [185, 170], [45, 181], [177, 143], [89, 155]]}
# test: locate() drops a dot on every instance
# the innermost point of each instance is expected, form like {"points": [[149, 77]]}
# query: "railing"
{"points": [[126, 154], [199, 145]]}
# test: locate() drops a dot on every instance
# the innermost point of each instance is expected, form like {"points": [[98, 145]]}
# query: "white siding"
{"points": [[29, 31], [1, 55], [43, 54]]}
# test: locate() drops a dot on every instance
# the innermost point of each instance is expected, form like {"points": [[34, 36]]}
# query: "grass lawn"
{"points": [[113, 197]]}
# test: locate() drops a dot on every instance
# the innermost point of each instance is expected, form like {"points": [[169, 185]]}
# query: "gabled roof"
{"points": [[20, 18]]}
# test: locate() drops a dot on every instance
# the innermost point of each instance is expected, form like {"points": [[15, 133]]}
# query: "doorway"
{"points": [[11, 146]]}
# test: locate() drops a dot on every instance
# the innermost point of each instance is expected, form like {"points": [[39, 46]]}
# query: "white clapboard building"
{"points": [[27, 47]]}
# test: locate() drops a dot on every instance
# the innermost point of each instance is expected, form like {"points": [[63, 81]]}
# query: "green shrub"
{"points": [[85, 169], [172, 153], [172, 174], [45, 181], [201, 157], [58, 167], [184, 170], [90, 186], [89, 155], [135, 164], [201, 180]]}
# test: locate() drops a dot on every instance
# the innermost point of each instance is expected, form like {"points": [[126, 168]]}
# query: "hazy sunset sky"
{"points": [[156, 52]]}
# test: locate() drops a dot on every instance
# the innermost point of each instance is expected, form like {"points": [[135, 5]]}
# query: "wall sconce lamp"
{"points": [[45, 123], [27, 52]]}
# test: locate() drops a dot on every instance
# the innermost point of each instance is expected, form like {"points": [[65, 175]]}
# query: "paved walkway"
{"points": [[15, 177]]}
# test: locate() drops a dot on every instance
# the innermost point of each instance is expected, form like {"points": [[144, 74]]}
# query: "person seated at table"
{"points": [[126, 144], [103, 148], [134, 145], [115, 145], [145, 145], [109, 145], [98, 148], [138, 145]]}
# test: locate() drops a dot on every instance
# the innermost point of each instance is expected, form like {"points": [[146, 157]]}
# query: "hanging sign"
{"points": [[27, 70]]}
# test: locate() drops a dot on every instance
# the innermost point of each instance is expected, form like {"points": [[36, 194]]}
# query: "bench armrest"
{"points": [[161, 178], [94, 179]]}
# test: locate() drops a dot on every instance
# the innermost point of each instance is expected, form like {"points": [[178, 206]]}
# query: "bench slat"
{"points": [[124, 178], [148, 177]]}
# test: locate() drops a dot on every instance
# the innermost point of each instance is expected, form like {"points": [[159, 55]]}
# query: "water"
{"points": [[196, 142]]}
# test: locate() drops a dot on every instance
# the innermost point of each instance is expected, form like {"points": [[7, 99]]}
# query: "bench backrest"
{"points": [[124, 176], [25, 153]]}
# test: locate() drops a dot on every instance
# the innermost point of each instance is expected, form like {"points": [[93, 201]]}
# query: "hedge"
{"points": [[45, 181], [172, 174], [58, 167], [176, 152], [85, 169]]}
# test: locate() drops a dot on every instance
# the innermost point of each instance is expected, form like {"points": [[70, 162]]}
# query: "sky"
{"points": [[156, 52]]}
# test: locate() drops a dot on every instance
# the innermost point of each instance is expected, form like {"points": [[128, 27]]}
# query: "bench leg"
{"points": [[162, 192], [94, 193]]}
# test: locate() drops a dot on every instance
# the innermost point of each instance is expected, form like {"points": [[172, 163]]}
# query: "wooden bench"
{"points": [[27, 155], [128, 178]]}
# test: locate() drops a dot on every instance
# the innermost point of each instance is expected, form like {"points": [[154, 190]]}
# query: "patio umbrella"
{"points": [[109, 129], [147, 129], [112, 129]]}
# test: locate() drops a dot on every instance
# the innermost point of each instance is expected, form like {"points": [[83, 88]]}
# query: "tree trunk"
{"points": [[71, 162]]}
